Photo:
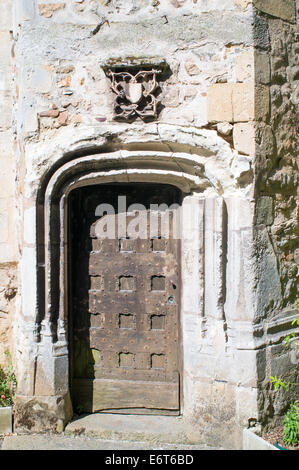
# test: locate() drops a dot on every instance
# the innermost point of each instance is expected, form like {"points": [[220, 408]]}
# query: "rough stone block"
{"points": [[40, 79], [261, 32], [245, 66], [237, 102], [41, 413], [215, 403], [265, 140], [171, 97], [243, 135], [269, 284], [29, 117], [246, 404], [261, 102], [262, 68], [191, 68], [47, 9], [220, 102], [284, 9], [246, 362], [243, 4], [281, 365], [264, 211], [243, 102], [224, 128], [61, 371]]}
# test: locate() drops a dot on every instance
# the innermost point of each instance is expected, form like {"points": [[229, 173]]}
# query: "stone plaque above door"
{"points": [[136, 90]]}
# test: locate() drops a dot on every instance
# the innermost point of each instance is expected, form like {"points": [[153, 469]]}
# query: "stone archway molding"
{"points": [[198, 174], [184, 170], [181, 170]]}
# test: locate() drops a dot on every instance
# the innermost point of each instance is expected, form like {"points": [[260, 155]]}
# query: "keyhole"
{"points": [[171, 300]]}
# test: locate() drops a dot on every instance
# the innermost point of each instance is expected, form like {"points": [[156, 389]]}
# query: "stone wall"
{"points": [[65, 109], [229, 102], [8, 236], [277, 199], [64, 73]]}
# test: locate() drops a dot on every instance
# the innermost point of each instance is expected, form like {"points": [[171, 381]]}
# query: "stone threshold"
{"points": [[73, 442], [150, 429]]}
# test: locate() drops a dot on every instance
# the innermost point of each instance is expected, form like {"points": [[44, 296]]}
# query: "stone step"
{"points": [[63, 442], [153, 430]]}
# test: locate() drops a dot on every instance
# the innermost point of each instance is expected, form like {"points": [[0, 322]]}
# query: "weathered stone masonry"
{"points": [[226, 135], [277, 209], [8, 234]]}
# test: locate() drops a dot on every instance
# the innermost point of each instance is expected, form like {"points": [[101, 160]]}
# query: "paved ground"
{"points": [[64, 442], [110, 432]]}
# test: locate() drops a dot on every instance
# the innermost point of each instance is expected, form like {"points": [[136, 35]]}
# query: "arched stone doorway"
{"points": [[216, 228], [134, 167]]}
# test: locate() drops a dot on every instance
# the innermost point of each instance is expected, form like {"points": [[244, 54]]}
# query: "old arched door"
{"points": [[124, 298]]}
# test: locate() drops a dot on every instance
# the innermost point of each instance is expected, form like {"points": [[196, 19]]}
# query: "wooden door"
{"points": [[125, 306]]}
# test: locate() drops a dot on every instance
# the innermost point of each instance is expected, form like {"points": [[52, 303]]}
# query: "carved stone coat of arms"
{"points": [[135, 94]]}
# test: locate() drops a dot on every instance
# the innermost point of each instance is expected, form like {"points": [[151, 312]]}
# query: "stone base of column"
{"points": [[42, 413]]}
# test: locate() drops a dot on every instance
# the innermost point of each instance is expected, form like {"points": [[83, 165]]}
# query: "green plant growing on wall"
{"points": [[291, 425], [291, 419], [8, 384]]}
